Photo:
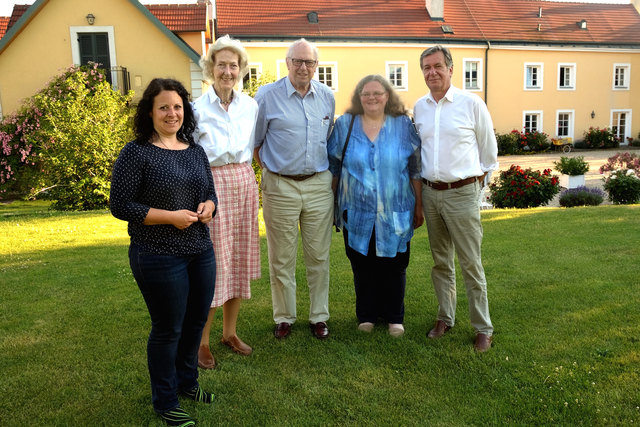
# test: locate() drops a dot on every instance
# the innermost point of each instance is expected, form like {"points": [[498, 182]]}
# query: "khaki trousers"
{"points": [[453, 223], [287, 206]]}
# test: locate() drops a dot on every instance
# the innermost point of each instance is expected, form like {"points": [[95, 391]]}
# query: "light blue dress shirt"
{"points": [[292, 131], [375, 187]]}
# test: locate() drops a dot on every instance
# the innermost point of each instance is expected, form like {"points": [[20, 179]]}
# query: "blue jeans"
{"points": [[178, 291]]}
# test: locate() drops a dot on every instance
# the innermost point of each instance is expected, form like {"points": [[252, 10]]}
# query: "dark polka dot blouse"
{"points": [[146, 176]]}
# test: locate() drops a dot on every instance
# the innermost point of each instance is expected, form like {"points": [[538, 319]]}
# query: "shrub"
{"points": [[623, 187], [507, 143], [581, 196], [523, 188], [531, 141], [600, 138], [572, 165], [624, 160], [65, 139]]}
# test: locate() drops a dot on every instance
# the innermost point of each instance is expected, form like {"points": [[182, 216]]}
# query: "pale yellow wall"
{"points": [[504, 86], [194, 40], [507, 98], [43, 48]]}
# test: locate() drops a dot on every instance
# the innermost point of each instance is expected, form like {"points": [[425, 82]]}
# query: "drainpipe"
{"points": [[486, 72]]}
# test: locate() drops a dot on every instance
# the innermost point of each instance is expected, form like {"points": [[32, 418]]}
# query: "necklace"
{"points": [[226, 103]]}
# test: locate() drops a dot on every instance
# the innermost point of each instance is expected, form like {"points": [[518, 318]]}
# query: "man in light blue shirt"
{"points": [[294, 122]]}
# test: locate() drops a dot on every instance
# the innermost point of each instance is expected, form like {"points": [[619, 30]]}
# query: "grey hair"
{"points": [[298, 43], [225, 42], [448, 60]]}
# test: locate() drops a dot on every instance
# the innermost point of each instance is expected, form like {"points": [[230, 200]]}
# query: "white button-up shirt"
{"points": [[226, 136], [457, 136]]}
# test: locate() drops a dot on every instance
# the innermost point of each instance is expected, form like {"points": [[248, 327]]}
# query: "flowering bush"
{"points": [[65, 139], [624, 160], [600, 138], [523, 188], [581, 196], [532, 141], [623, 186]]}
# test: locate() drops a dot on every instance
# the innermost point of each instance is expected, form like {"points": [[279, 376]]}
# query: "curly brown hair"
{"points": [[394, 106]]}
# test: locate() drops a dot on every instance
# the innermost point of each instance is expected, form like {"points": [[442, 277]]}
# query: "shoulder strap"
{"points": [[346, 141]]}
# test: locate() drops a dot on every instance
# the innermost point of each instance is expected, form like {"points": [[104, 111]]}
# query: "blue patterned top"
{"points": [[375, 187]]}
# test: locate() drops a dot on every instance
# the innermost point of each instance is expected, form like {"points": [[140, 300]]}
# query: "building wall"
{"points": [[506, 96], [44, 48]]}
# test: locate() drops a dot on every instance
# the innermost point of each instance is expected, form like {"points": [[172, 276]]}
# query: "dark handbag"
{"points": [[335, 195]]}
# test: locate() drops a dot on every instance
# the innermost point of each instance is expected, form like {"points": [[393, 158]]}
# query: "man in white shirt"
{"points": [[459, 149]]}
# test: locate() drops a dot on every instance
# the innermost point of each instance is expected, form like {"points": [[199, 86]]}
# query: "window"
{"points": [[621, 124], [326, 73], [253, 72], [533, 76], [567, 76], [564, 124], [621, 76], [532, 121], [472, 74], [397, 75]]}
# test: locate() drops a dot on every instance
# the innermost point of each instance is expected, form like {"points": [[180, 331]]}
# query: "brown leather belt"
{"points": [[449, 185], [296, 177]]}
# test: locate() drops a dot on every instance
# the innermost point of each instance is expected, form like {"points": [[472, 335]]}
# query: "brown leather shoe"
{"points": [[237, 345], [483, 343], [439, 329], [319, 330], [205, 358], [282, 330]]}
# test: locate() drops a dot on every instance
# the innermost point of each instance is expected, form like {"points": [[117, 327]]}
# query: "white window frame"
{"points": [[538, 113], [75, 46], [404, 65], [627, 77], [334, 74], [572, 77], [627, 125], [279, 63], [540, 67], [478, 61], [570, 126], [257, 66]]}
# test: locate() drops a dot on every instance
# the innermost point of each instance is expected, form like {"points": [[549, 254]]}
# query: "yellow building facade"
{"points": [[521, 84], [45, 41]]}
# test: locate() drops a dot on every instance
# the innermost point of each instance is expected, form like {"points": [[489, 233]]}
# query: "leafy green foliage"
{"points": [[572, 165], [581, 196], [508, 143], [65, 139], [523, 188], [600, 138], [623, 187]]}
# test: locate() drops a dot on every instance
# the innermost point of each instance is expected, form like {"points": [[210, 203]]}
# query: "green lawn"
{"points": [[564, 294]]}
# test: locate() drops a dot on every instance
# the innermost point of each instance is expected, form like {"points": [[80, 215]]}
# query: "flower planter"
{"points": [[571, 181]]}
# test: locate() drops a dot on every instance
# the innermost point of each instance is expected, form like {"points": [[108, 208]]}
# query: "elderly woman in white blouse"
{"points": [[226, 121]]}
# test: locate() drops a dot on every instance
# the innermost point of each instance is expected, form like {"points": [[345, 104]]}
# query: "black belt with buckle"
{"points": [[295, 177], [449, 185]]}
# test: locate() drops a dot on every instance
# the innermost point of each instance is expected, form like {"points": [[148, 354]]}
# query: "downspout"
{"points": [[486, 72]]}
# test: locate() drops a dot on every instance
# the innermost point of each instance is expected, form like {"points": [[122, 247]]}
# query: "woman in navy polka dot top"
{"points": [[162, 186]]}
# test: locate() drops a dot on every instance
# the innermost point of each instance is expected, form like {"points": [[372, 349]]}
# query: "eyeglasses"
{"points": [[372, 94], [310, 63]]}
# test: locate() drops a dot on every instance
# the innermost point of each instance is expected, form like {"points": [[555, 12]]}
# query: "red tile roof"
{"points": [[509, 21], [181, 17], [4, 22], [176, 17], [18, 11]]}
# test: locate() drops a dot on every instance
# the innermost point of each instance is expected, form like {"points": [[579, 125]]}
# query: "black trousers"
{"points": [[379, 283]]}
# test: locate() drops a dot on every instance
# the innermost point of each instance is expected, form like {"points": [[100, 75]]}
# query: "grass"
{"points": [[563, 294]]}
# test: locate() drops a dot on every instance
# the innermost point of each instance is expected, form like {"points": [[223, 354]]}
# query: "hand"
{"points": [[205, 211], [183, 218], [418, 218]]}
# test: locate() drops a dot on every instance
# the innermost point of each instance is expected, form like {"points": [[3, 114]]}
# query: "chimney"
{"points": [[435, 8]]}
